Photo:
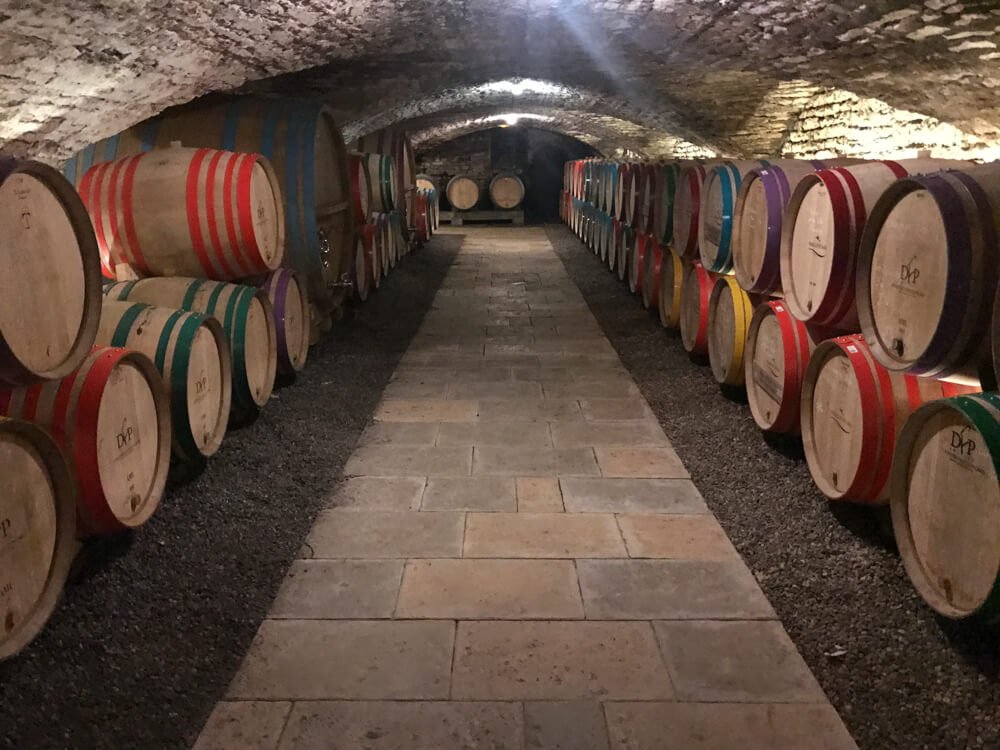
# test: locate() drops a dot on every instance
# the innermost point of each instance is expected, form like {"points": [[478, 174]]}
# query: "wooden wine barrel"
{"points": [[945, 502], [50, 304], [246, 316], [290, 304], [373, 269], [687, 206], [191, 353], [396, 143], [306, 150], [664, 215], [759, 215], [610, 187], [648, 195], [187, 212], [715, 218], [383, 238], [927, 271], [696, 291], [506, 190], [822, 231], [625, 198], [637, 262], [361, 187], [462, 192], [112, 419], [852, 408], [382, 177], [671, 281], [616, 241], [729, 312], [37, 531], [651, 274], [400, 246], [625, 252], [777, 353], [426, 182]]}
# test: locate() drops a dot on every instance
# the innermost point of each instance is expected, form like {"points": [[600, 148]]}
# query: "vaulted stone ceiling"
{"points": [[652, 76]]}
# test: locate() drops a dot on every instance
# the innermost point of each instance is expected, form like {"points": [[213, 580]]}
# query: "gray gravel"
{"points": [[155, 626], [907, 679]]}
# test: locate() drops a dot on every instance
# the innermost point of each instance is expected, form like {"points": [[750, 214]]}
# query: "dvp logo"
{"points": [[200, 385], [126, 436], [909, 273], [961, 444]]}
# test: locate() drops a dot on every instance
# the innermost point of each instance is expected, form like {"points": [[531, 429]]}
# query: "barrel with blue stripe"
{"points": [[191, 352], [247, 318], [306, 150], [715, 220]]}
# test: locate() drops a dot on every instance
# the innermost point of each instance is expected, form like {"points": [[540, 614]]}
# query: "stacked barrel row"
{"points": [[856, 303], [220, 265]]}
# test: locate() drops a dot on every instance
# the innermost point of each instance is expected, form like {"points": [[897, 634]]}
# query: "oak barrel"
{"points": [[715, 218], [651, 274], [112, 419], [37, 531], [625, 252], [361, 187], [777, 353], [729, 312], [663, 228], [696, 291], [49, 255], [945, 502], [927, 271], [506, 190], [687, 208], [381, 173], [366, 235], [246, 316], [462, 192], [852, 409], [290, 305], [637, 262], [306, 150], [191, 353], [671, 281], [396, 143], [616, 241], [821, 234]]}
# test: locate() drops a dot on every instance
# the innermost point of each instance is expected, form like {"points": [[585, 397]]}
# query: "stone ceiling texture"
{"points": [[738, 77]]}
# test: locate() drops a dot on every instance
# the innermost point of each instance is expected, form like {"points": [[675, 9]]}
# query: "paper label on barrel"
{"points": [[768, 359]]}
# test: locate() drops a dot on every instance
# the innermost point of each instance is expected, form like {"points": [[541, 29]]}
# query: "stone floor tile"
{"points": [[542, 375], [565, 725], [385, 535], [408, 461], [530, 410], [399, 433], [578, 433], [244, 725], [670, 590], [490, 589], [675, 536], [615, 408], [378, 493], [510, 434], [437, 725], [725, 726], [403, 390], [470, 493], [613, 388], [542, 535], [506, 461], [584, 494], [338, 589], [751, 662], [507, 389], [427, 410], [643, 462], [558, 661], [539, 495], [347, 659]]}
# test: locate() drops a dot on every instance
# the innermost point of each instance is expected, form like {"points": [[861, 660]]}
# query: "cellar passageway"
{"points": [[517, 558]]}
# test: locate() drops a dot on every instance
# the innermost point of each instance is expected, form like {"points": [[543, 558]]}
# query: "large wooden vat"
{"points": [[37, 531], [51, 282]]}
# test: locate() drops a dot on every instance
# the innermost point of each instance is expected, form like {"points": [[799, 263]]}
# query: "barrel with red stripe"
{"points": [[189, 212], [852, 410], [50, 300], [373, 264], [361, 187], [625, 251], [246, 316], [696, 292], [821, 234], [651, 273], [112, 419], [687, 210], [637, 262], [777, 353], [191, 353], [289, 297]]}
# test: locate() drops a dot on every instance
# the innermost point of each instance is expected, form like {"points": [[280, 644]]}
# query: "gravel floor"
{"points": [[149, 636], [906, 679]]}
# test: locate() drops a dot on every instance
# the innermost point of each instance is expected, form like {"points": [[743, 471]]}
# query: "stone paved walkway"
{"points": [[518, 559]]}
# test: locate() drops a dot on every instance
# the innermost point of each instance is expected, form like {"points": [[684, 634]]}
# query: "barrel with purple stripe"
{"points": [[290, 302]]}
